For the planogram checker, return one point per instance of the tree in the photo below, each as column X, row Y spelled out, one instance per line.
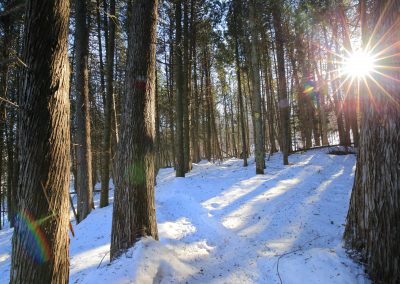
column 187, row 87
column 134, row 214
column 373, row 225
column 44, row 146
column 256, row 91
column 108, row 108
column 84, row 149
column 180, row 86
column 6, row 23
column 283, row 99
column 236, row 29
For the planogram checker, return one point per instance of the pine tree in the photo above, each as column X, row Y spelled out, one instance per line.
column 84, row 148
column 44, row 146
column 180, row 87
column 134, row 214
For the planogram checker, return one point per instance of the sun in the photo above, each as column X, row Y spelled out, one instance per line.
column 359, row 64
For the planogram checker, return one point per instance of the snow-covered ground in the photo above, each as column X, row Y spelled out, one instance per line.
column 224, row 224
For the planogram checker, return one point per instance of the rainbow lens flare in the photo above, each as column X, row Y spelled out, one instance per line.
column 36, row 244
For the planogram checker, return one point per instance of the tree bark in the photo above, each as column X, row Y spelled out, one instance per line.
column 373, row 225
column 44, row 149
column 134, row 214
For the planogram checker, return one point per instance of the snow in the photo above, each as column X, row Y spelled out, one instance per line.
column 224, row 224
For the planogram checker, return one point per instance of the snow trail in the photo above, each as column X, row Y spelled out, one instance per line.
column 224, row 224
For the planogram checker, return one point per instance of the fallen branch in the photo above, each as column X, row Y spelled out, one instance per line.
column 102, row 259
column 290, row 252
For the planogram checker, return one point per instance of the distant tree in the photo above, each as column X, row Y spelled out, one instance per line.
column 256, row 91
column 134, row 214
column 40, row 241
column 373, row 225
column 187, row 89
column 84, row 148
column 237, row 20
column 108, row 107
column 282, row 89
column 6, row 25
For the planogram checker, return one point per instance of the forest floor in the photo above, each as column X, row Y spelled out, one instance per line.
column 224, row 224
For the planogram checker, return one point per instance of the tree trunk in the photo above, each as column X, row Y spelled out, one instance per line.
column 84, row 149
column 256, row 91
column 171, row 87
column 196, row 101
column 373, row 219
column 283, row 100
column 232, row 121
column 244, row 153
column 350, row 99
column 180, row 86
column 134, row 214
column 40, row 255
column 187, row 88
column 102, row 81
column 106, row 161
column 6, row 22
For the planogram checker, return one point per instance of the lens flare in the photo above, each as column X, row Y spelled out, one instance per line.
column 359, row 64
column 36, row 244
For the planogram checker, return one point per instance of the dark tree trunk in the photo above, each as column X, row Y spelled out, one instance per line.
column 373, row 219
column 44, row 149
column 350, row 100
column 283, row 99
column 5, row 53
column 180, row 87
column 196, row 101
column 84, row 149
column 134, row 214
column 187, row 88
column 269, row 90
column 170, row 72
column 233, row 138
column 108, row 108
column 244, row 153
column 256, row 91
column 102, row 81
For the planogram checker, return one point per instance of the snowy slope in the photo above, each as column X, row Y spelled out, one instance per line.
column 224, row 224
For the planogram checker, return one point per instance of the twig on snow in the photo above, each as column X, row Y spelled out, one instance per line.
column 290, row 252
column 102, row 259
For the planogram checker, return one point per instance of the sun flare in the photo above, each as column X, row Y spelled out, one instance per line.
column 359, row 64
